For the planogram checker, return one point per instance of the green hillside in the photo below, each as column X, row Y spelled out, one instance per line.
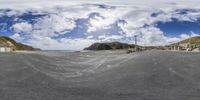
column 6, row 41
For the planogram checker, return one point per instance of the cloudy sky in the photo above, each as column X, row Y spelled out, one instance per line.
column 75, row 24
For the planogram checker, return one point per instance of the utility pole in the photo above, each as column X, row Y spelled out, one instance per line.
column 135, row 36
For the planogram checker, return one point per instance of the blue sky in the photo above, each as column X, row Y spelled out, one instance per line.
column 175, row 28
column 73, row 25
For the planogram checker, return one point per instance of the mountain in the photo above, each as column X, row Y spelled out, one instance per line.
column 110, row 46
column 8, row 42
column 192, row 40
column 190, row 44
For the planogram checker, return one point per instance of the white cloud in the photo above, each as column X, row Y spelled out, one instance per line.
column 52, row 3
column 53, row 25
column 47, row 43
column 180, row 37
column 108, row 17
column 104, row 38
column 22, row 27
column 90, row 37
column 185, row 36
column 151, row 36
column 17, row 37
column 63, row 13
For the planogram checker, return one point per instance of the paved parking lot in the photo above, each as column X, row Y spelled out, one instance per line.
column 102, row 75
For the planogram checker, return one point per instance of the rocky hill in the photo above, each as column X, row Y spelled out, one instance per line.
column 8, row 42
column 190, row 44
column 192, row 40
column 110, row 46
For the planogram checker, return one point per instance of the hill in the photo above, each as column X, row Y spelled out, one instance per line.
column 110, row 46
column 8, row 42
column 189, row 44
column 192, row 40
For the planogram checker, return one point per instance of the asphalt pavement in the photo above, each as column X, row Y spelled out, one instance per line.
column 100, row 75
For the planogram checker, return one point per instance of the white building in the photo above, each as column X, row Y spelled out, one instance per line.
column 6, row 49
column 184, row 46
column 6, row 46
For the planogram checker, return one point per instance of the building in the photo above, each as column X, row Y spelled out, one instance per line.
column 6, row 49
column 175, row 47
column 6, row 46
column 183, row 46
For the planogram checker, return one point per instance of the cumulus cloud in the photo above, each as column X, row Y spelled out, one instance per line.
column 53, row 25
column 22, row 27
column 183, row 36
column 106, row 18
column 17, row 37
column 48, row 43
column 61, row 20
column 153, row 36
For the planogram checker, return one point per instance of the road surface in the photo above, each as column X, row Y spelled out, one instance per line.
column 101, row 75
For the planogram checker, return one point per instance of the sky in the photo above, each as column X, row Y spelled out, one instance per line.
column 76, row 24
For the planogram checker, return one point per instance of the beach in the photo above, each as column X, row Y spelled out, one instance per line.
column 100, row 75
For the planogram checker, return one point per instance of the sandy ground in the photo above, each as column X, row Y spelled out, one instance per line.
column 101, row 75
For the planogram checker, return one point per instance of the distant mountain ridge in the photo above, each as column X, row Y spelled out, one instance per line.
column 110, row 46
column 8, row 42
